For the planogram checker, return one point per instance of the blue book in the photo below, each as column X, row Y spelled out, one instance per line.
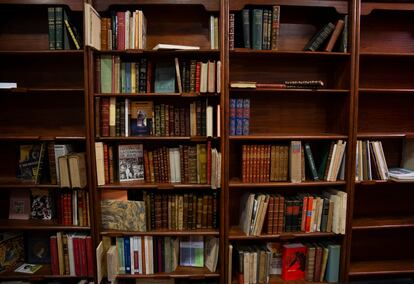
column 232, row 116
column 239, row 116
column 123, row 78
column 128, row 77
column 257, row 28
column 164, row 78
column 332, row 267
column 127, row 255
column 246, row 116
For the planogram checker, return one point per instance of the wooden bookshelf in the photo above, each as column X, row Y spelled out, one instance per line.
column 382, row 268
column 236, row 234
column 388, row 222
column 197, row 232
column 180, row 272
column 43, row 274
column 237, row 184
column 35, row 225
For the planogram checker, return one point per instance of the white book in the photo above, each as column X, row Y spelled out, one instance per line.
column 100, row 170
column 218, row 76
column 161, row 46
column 7, row 85
column 211, row 78
column 100, row 259
column 112, row 263
column 61, row 150
column 339, row 160
column 219, row 171
column 254, row 267
column 209, row 122
column 144, row 31
column 172, row 163
column 126, row 117
column 203, row 77
column 336, row 213
column 212, row 32
column 131, row 254
column 218, row 127
column 384, row 161
column 127, row 29
column 230, row 262
column 369, row 161
column 246, row 266
column 245, row 217
column 133, row 30
column 262, row 214
column 71, row 255
column 329, row 177
column 357, row 177
column 92, row 27
column 177, row 164
column 312, row 222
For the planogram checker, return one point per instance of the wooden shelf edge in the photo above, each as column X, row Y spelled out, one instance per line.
column 281, row 91
column 289, row 137
column 157, row 52
column 381, row 267
column 38, row 225
column 158, row 138
column 39, row 138
column 23, row 90
column 248, row 51
column 166, row 186
column 197, row 232
column 386, row 90
column 235, row 185
column 158, row 95
column 73, row 5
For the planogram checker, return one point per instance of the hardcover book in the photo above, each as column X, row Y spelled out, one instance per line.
column 192, row 251
column 19, row 205
column 11, row 250
column 42, row 208
column 293, row 261
column 164, row 78
column 131, row 162
column 123, row 215
column 38, row 249
column 142, row 114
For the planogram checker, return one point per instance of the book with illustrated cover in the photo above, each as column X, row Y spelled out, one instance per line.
column 192, row 252
column 293, row 261
column 19, row 205
column 30, row 162
column 142, row 114
column 123, row 215
column 131, row 162
column 38, row 248
column 28, row 268
column 42, row 207
column 11, row 250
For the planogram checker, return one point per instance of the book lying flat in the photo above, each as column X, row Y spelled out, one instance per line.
column 7, row 85
column 162, row 46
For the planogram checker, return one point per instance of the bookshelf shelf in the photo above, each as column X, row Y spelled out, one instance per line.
column 40, row 138
column 381, row 267
column 287, row 136
column 288, row 91
column 157, row 138
column 151, row 96
column 22, row 90
column 46, row 52
column 161, row 186
column 208, row 5
column 385, row 91
column 237, row 184
column 43, row 273
column 236, row 234
column 340, row 6
column 198, row 232
column 74, row 5
column 247, row 53
column 180, row 272
column 149, row 52
column 38, row 225
column 368, row 7
column 386, row 54
column 274, row 279
column 390, row 222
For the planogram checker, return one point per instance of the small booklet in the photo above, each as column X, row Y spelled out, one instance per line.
column 28, row 268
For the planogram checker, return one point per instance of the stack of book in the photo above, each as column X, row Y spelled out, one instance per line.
column 124, row 30
column 149, row 255
column 62, row 33
column 314, row 262
column 239, row 116
column 181, row 211
column 333, row 33
column 145, row 76
column 71, row 254
column 198, row 164
column 276, row 214
column 123, row 118
column 264, row 163
column 370, row 161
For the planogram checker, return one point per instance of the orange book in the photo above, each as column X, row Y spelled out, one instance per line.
column 335, row 35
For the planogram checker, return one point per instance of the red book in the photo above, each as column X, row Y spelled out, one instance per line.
column 89, row 256
column 76, row 256
column 309, row 209
column 293, row 261
column 83, row 257
column 304, row 213
column 121, row 30
column 208, row 162
column 136, row 261
column 54, row 259
column 198, row 72
column 104, row 117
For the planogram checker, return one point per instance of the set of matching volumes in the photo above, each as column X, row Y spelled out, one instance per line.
column 260, row 28
column 370, row 161
column 71, row 254
column 73, row 208
column 145, row 76
column 239, row 116
column 275, row 214
column 333, row 33
column 62, row 34
column 265, row 163
column 124, row 118
column 214, row 32
column 313, row 262
column 198, row 164
column 124, row 30
column 181, row 211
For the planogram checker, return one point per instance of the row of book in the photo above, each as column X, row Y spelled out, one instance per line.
column 124, row 30
column 68, row 208
column 239, row 116
column 62, row 33
column 370, row 161
column 259, row 29
column 214, row 32
column 145, row 76
column 275, row 214
column 124, row 118
column 149, row 255
column 264, row 163
column 198, row 164
column 71, row 254
column 181, row 211
column 313, row 262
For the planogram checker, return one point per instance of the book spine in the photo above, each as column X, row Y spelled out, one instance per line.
column 246, row 28
column 52, row 28
column 311, row 162
column 257, row 29
column 89, row 256
column 59, row 28
column 275, row 27
column 246, row 116
column 231, row 31
column 316, row 43
column 233, row 117
column 54, row 259
column 239, row 117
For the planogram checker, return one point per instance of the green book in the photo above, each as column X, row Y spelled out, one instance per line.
column 164, row 78
column 66, row 35
column 257, row 28
column 59, row 27
column 106, row 74
column 246, row 28
column 51, row 23
column 121, row 258
column 332, row 266
column 344, row 40
column 320, row 37
column 311, row 162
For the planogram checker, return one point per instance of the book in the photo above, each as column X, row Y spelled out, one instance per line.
column 92, row 26
column 164, row 78
column 38, row 248
column 335, row 35
column 131, row 162
column 293, row 261
column 192, row 251
column 28, row 268
column 19, row 205
column 162, row 46
column 11, row 250
column 123, row 215
column 41, row 205
column 320, row 37
column 142, row 113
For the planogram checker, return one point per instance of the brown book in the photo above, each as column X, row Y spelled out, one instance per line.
column 104, row 117
column 151, row 166
column 167, row 164
column 169, row 209
column 335, row 35
column 98, row 116
column 176, row 121
column 276, row 204
column 166, row 120
column 281, row 215
column 211, row 81
column 104, row 34
column 267, row 169
column 111, row 162
column 204, row 213
column 171, row 120
column 295, row 161
column 244, row 163
column 248, row 163
column 146, row 167
column 158, row 212
column 269, row 215
column 199, row 212
column 192, row 164
column 52, row 162
column 185, row 212
column 302, row 156
column 254, row 161
column 180, row 212
column 193, row 64
column 285, row 163
column 66, row 253
column 209, row 212
column 318, row 263
column 182, row 121
column 195, row 213
column 310, row 262
column 273, row 163
column 275, row 27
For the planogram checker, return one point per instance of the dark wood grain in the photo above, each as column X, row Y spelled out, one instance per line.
column 382, row 267
column 237, row 234
column 198, row 232
column 38, row 225
column 212, row 5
